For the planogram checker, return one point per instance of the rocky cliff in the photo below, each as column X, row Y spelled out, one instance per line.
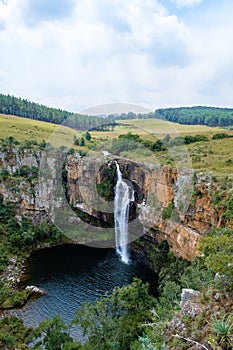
column 77, row 194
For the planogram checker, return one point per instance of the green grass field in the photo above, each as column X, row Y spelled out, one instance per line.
column 152, row 128
column 27, row 129
column 214, row 156
column 161, row 127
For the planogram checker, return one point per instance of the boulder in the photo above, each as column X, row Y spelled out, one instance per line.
column 36, row 290
column 189, row 295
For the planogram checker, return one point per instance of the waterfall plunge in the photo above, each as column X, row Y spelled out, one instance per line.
column 123, row 196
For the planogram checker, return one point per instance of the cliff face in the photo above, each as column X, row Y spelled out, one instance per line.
column 170, row 204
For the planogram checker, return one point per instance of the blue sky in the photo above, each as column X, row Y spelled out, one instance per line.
column 76, row 54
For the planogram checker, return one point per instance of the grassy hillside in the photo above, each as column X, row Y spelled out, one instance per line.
column 27, row 129
column 210, row 156
column 161, row 127
column 12, row 105
column 207, row 156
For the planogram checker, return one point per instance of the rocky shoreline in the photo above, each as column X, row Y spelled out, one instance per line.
column 17, row 270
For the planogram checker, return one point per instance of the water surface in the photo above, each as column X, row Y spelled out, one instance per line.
column 73, row 274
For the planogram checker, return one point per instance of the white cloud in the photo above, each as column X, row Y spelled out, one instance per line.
column 186, row 3
column 124, row 51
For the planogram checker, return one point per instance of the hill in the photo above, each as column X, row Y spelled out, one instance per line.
column 197, row 115
column 32, row 130
column 210, row 116
column 11, row 105
column 207, row 149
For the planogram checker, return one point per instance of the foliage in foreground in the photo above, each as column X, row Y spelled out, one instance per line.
column 114, row 321
column 13, row 334
column 130, row 318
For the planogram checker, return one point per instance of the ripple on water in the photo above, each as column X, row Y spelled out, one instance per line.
column 72, row 275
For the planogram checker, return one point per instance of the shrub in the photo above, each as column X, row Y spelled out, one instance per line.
column 114, row 321
column 221, row 135
column 167, row 211
column 87, row 136
column 82, row 142
column 217, row 247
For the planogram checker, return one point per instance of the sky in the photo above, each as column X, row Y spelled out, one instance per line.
column 76, row 54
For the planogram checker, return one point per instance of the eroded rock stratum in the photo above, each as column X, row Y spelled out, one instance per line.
column 170, row 204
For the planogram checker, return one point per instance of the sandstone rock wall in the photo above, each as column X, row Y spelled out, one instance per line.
column 165, row 203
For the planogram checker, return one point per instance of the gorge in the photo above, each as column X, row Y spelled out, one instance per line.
column 77, row 193
column 73, row 274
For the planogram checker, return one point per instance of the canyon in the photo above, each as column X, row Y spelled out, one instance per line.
column 77, row 194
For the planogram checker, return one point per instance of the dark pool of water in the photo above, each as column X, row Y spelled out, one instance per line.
column 73, row 274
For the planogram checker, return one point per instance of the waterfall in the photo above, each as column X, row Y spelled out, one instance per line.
column 123, row 196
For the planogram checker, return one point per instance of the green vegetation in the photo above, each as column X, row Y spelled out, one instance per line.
column 131, row 319
column 197, row 115
column 13, row 334
column 17, row 240
column 211, row 273
column 87, row 136
column 106, row 187
column 144, row 140
column 114, row 321
column 217, row 247
column 223, row 330
column 11, row 105
column 210, row 116
column 167, row 211
column 221, row 135
column 161, row 142
column 54, row 334
column 22, row 129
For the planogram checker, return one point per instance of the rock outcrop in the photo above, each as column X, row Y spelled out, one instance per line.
column 170, row 204
column 36, row 290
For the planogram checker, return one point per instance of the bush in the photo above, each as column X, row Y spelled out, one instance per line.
column 82, row 142
column 222, row 135
column 130, row 136
column 228, row 214
column 122, row 144
column 42, row 144
column 26, row 171
column 87, row 136
column 167, row 211
column 13, row 333
column 217, row 247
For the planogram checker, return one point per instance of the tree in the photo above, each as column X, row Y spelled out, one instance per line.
column 13, row 333
column 53, row 335
column 82, row 142
column 114, row 321
column 87, row 136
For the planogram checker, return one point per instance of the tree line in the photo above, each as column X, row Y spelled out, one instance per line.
column 210, row 116
column 23, row 108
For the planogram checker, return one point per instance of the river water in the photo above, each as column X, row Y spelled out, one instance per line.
column 73, row 274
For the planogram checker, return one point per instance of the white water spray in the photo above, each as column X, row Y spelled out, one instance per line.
column 123, row 196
